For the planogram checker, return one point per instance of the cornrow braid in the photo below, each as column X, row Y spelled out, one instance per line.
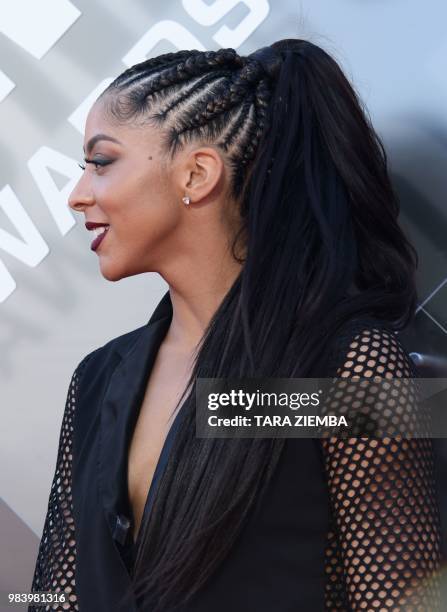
column 183, row 95
column 261, row 101
column 215, row 96
column 254, row 131
column 147, row 67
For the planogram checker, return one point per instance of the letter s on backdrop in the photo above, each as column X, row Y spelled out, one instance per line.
column 209, row 14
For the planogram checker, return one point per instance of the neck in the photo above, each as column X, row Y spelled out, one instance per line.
column 195, row 297
column 200, row 269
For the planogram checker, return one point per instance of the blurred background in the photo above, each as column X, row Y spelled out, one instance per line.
column 56, row 57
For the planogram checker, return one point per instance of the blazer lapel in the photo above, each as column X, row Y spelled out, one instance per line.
column 120, row 408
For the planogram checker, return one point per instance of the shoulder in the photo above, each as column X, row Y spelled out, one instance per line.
column 389, row 405
column 367, row 347
column 104, row 356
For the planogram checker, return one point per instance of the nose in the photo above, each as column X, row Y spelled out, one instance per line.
column 81, row 197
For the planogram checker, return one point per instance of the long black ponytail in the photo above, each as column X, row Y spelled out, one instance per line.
column 323, row 246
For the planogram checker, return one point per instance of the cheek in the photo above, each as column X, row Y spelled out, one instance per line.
column 148, row 220
column 141, row 210
column 155, row 204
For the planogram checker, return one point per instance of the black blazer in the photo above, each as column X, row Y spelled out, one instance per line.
column 278, row 564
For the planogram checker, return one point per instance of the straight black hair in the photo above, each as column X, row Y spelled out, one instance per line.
column 323, row 246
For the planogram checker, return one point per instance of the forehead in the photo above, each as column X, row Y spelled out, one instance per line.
column 128, row 135
column 98, row 121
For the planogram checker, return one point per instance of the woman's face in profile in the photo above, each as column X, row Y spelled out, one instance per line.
column 129, row 188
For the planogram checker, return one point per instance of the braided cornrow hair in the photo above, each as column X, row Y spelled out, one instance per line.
column 215, row 96
column 323, row 246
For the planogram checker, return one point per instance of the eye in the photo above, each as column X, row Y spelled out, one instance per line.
column 96, row 163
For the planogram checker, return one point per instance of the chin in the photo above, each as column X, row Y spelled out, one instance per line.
column 111, row 277
column 113, row 272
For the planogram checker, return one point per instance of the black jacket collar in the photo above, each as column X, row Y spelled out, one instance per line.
column 108, row 401
column 120, row 407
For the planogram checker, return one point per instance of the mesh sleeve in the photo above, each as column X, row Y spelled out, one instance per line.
column 56, row 559
column 384, row 543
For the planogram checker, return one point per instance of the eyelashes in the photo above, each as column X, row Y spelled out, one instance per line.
column 96, row 163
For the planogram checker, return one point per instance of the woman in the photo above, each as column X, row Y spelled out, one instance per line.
column 258, row 189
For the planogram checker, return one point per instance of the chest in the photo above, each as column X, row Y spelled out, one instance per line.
column 168, row 378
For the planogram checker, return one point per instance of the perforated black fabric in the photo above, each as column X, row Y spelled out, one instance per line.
column 56, row 560
column 383, row 548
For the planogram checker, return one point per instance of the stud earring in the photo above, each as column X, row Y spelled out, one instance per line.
column 186, row 200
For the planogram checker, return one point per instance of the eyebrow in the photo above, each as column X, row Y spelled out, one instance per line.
column 91, row 143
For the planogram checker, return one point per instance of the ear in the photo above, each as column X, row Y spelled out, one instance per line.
column 201, row 173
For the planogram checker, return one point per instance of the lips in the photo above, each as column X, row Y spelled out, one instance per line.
column 100, row 229
column 99, row 238
column 93, row 224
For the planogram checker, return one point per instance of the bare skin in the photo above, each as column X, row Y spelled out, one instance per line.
column 162, row 394
column 151, row 230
